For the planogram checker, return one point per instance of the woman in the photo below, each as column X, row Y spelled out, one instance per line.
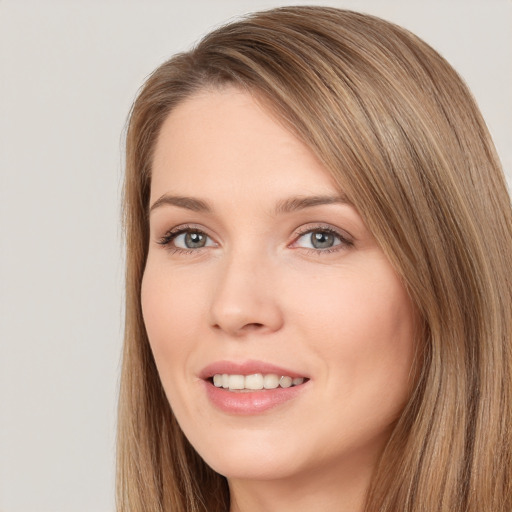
column 318, row 285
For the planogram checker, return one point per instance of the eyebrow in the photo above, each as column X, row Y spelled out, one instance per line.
column 302, row 202
column 189, row 203
column 288, row 205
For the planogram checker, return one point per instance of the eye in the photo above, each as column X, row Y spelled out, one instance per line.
column 186, row 239
column 318, row 239
column 191, row 240
column 321, row 239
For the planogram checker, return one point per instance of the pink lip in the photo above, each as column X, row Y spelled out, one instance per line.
column 248, row 402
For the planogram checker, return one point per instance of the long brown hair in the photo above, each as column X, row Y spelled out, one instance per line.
column 401, row 134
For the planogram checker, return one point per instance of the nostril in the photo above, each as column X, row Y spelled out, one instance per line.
column 246, row 327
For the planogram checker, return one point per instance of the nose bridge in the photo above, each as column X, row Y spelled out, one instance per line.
column 244, row 299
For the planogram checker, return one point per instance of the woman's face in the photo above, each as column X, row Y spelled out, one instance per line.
column 260, row 273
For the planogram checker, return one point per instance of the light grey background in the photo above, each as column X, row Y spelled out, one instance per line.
column 69, row 71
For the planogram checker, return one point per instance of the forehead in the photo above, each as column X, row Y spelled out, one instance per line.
column 225, row 140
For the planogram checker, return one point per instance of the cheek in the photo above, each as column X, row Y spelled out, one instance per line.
column 360, row 308
column 170, row 306
column 362, row 327
column 170, row 311
column 157, row 306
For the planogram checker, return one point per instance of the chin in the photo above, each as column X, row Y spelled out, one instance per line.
column 252, row 460
column 256, row 469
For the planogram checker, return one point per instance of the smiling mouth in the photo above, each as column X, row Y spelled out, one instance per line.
column 254, row 382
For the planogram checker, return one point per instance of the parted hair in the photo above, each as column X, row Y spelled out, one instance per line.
column 402, row 136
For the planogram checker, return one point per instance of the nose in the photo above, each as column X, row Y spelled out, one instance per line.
column 245, row 299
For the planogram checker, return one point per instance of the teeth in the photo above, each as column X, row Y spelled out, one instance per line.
column 285, row 382
column 255, row 381
column 236, row 381
column 270, row 381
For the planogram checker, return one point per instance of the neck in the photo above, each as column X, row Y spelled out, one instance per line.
column 326, row 489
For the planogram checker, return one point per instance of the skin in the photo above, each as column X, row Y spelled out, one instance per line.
column 259, row 289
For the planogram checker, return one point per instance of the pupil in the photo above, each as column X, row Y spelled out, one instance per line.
column 322, row 239
column 194, row 240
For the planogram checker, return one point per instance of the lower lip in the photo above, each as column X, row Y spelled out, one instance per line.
column 252, row 402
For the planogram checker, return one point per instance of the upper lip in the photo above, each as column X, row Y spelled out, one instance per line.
column 248, row 367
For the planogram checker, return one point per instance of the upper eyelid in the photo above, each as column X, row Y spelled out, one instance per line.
column 345, row 235
column 183, row 228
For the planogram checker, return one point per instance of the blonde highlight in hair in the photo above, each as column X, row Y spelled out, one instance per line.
column 399, row 131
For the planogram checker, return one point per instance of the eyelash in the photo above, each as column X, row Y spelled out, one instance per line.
column 345, row 242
